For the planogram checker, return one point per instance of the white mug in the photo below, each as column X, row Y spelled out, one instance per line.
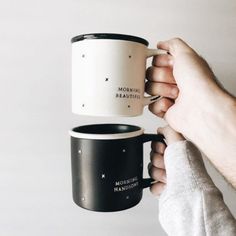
column 108, row 74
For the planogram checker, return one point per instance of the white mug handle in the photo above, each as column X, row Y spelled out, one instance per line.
column 153, row 52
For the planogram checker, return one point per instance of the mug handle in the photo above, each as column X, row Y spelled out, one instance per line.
column 147, row 182
column 153, row 52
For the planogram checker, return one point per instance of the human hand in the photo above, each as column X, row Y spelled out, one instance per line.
column 194, row 104
column 185, row 82
column 157, row 166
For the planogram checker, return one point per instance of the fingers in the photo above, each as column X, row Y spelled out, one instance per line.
column 161, row 70
column 158, row 147
column 160, row 79
column 163, row 60
column 157, row 174
column 157, row 160
column 157, row 188
column 161, row 106
column 171, row 135
column 162, row 89
column 168, row 90
column 175, row 46
column 160, row 74
column 156, row 168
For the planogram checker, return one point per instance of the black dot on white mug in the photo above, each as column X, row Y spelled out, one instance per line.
column 121, row 56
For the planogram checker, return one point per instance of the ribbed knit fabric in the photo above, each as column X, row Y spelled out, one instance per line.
column 191, row 205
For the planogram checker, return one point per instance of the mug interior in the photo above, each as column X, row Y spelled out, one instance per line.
column 106, row 131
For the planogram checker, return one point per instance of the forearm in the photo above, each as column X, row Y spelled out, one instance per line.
column 214, row 132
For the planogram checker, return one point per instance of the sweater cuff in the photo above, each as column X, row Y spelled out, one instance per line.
column 185, row 169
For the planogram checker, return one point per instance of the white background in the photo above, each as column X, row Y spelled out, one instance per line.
column 35, row 103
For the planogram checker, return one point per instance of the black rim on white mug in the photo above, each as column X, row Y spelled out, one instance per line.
column 110, row 68
column 114, row 36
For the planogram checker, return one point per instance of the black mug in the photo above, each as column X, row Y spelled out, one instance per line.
column 107, row 166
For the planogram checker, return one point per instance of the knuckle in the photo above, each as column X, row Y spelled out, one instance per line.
column 162, row 74
column 165, row 89
column 157, row 189
column 161, row 148
column 156, row 162
column 155, row 108
column 177, row 40
column 163, row 104
column 162, row 175
column 153, row 146
column 152, row 190
column 154, row 173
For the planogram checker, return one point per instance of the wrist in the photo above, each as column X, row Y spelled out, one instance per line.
column 216, row 111
column 214, row 131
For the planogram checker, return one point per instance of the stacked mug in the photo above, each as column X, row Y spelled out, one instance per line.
column 108, row 79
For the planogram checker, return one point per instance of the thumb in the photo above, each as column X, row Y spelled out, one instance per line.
column 170, row 135
column 175, row 46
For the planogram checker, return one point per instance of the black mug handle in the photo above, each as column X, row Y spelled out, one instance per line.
column 147, row 182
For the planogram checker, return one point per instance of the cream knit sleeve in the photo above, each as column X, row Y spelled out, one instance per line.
column 191, row 204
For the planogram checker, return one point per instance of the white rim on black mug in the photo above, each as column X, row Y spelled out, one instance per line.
column 107, row 165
